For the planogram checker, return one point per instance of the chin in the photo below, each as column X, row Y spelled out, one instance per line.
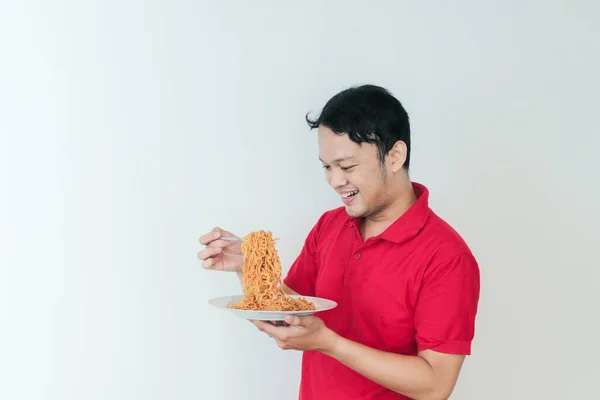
column 355, row 212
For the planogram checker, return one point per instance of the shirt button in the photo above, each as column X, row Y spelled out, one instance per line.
column 357, row 256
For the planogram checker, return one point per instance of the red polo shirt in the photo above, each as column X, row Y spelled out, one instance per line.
column 413, row 287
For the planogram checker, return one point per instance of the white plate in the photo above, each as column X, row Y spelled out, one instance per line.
column 225, row 301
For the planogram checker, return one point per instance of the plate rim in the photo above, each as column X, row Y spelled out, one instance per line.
column 331, row 305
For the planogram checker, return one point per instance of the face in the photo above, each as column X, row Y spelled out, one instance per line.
column 356, row 173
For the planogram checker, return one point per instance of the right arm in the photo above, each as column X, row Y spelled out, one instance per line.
column 287, row 290
column 225, row 256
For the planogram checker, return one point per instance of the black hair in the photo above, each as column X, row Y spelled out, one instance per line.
column 367, row 113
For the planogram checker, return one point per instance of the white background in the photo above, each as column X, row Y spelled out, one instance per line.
column 129, row 128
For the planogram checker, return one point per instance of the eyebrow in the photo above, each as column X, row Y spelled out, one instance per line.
column 347, row 158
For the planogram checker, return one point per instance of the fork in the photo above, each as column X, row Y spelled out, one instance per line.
column 230, row 239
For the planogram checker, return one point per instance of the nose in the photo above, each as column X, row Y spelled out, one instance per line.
column 337, row 178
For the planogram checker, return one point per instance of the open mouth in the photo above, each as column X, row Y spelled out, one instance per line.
column 349, row 195
column 348, row 198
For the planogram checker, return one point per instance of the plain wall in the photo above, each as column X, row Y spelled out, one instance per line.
column 129, row 128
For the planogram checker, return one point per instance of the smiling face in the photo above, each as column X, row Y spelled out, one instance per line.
column 366, row 186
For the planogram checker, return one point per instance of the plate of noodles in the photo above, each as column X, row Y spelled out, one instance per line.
column 306, row 305
column 263, row 298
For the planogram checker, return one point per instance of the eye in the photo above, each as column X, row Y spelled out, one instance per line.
column 348, row 168
column 325, row 167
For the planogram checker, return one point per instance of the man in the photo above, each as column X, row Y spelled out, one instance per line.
column 406, row 283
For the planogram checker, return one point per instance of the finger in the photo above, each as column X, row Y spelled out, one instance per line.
column 211, row 236
column 259, row 325
column 215, row 262
column 221, row 243
column 268, row 328
column 212, row 240
column 293, row 320
column 208, row 237
column 209, row 252
column 211, row 263
column 222, row 232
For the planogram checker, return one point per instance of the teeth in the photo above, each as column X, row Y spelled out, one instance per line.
column 346, row 195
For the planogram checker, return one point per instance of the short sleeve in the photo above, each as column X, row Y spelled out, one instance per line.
column 302, row 275
column 447, row 306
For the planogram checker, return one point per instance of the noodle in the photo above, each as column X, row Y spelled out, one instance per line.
column 262, row 277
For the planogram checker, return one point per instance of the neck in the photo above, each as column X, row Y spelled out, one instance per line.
column 403, row 199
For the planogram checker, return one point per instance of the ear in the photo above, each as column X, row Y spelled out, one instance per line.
column 397, row 156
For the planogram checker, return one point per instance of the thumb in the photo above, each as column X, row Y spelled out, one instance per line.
column 220, row 232
column 293, row 320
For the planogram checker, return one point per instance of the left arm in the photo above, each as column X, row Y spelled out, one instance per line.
column 428, row 375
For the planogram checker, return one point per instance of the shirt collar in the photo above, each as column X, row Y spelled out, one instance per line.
column 408, row 225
